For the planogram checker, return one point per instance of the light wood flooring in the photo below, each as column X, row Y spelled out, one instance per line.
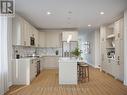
column 47, row 84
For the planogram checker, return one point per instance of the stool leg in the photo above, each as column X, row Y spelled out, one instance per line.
column 88, row 72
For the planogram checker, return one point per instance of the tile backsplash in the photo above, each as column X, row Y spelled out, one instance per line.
column 29, row 51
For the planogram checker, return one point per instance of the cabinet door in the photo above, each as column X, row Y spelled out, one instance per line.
column 18, row 37
column 15, row 72
column 41, row 39
column 119, row 59
column 41, row 63
column 52, row 39
column 50, row 62
column 119, row 29
column 26, row 33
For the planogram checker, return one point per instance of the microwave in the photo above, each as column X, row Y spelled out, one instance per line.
column 32, row 41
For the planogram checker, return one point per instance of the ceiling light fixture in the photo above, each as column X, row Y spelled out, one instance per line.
column 48, row 13
column 89, row 25
column 101, row 13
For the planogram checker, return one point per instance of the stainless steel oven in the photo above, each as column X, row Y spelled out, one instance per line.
column 38, row 67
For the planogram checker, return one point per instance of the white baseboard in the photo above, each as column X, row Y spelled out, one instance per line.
column 92, row 65
column 125, row 83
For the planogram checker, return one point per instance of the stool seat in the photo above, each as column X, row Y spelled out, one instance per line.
column 85, row 65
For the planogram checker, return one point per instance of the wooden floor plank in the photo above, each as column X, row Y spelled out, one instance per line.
column 47, row 84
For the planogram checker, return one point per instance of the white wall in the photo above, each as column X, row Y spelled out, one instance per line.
column 125, row 47
column 85, row 35
column 97, row 48
column 92, row 58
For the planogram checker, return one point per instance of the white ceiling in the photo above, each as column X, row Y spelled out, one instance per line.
column 84, row 12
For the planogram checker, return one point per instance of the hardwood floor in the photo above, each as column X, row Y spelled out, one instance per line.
column 47, row 84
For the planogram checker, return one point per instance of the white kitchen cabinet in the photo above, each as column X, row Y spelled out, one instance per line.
column 22, row 31
column 119, row 29
column 18, row 31
column 68, row 71
column 41, row 36
column 21, row 71
column 50, row 62
column 24, row 71
column 26, row 33
column 119, row 64
column 41, row 63
column 115, row 66
column 52, row 39
column 73, row 34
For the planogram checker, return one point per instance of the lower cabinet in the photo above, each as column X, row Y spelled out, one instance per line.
column 49, row 62
column 24, row 71
column 113, row 68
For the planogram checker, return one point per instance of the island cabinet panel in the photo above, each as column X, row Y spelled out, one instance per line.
column 68, row 75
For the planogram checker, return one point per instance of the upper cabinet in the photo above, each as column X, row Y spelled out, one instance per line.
column 118, row 28
column 18, row 31
column 22, row 31
column 25, row 33
column 52, row 39
column 70, row 35
column 49, row 39
column 41, row 41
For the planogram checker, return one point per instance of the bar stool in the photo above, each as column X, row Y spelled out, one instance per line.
column 83, row 72
column 78, row 69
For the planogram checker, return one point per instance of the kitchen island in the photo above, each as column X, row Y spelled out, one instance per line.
column 67, row 70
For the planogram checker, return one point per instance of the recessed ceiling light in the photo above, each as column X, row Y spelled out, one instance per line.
column 89, row 25
column 68, row 18
column 48, row 13
column 101, row 13
column 69, row 12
